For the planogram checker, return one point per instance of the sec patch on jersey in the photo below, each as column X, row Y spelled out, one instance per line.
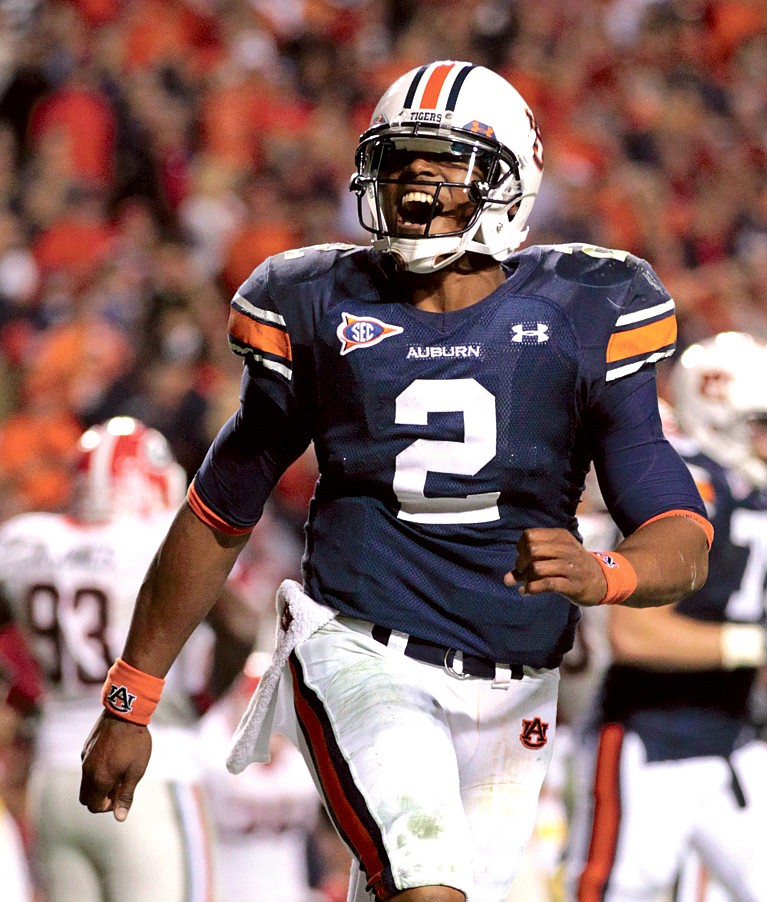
column 363, row 332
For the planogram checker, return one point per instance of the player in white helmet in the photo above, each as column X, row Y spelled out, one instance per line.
column 673, row 770
column 493, row 165
column 72, row 580
column 721, row 403
column 456, row 390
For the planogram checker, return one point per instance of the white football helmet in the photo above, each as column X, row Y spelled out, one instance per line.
column 466, row 114
column 718, row 385
column 125, row 468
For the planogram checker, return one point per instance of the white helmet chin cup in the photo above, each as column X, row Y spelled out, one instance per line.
column 455, row 104
column 717, row 384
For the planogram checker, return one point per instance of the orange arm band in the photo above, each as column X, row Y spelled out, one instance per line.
column 620, row 575
column 689, row 515
column 204, row 513
column 130, row 693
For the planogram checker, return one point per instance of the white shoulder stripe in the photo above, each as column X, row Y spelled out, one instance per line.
column 250, row 354
column 260, row 312
column 620, row 371
column 638, row 315
column 273, row 365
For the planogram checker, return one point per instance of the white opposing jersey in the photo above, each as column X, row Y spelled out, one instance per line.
column 73, row 586
column 262, row 816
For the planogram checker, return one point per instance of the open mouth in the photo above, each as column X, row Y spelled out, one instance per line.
column 417, row 208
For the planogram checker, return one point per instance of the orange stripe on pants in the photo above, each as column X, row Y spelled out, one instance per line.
column 347, row 818
column 607, row 815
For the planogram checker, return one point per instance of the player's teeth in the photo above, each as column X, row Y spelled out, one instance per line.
column 417, row 197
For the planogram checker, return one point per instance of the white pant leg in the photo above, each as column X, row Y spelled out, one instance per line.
column 426, row 775
column 732, row 840
column 634, row 819
column 15, row 881
column 501, row 777
column 162, row 851
column 696, row 883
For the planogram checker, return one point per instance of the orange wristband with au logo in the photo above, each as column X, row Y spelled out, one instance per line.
column 620, row 575
column 130, row 693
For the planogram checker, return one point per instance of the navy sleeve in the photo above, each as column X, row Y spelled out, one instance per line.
column 248, row 456
column 640, row 474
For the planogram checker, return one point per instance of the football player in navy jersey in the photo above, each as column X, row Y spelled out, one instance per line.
column 456, row 392
column 671, row 766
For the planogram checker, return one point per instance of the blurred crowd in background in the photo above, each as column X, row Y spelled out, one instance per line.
column 153, row 152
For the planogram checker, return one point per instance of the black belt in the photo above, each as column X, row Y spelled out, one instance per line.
column 439, row 655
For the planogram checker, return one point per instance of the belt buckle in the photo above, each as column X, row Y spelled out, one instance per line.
column 448, row 666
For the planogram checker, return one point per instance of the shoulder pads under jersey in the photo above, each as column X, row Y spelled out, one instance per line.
column 616, row 301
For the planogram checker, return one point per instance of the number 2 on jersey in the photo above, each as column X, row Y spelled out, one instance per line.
column 465, row 458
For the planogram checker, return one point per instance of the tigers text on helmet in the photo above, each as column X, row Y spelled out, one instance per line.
column 718, row 386
column 485, row 162
column 125, row 468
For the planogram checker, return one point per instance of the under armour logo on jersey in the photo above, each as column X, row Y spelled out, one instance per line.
column 524, row 333
column 363, row 332
column 533, row 735
column 120, row 699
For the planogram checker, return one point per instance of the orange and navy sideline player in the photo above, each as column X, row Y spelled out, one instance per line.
column 456, row 392
column 671, row 766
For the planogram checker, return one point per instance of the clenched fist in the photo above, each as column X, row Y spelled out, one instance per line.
column 553, row 560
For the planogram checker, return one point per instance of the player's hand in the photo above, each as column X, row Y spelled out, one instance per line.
column 553, row 560
column 114, row 757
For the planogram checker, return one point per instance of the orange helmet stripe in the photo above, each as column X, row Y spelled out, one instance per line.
column 434, row 86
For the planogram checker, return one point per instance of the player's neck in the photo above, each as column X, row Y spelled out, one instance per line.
column 455, row 287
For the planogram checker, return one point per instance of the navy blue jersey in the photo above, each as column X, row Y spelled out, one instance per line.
column 440, row 437
column 687, row 714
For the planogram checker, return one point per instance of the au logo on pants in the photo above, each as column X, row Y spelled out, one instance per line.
column 533, row 735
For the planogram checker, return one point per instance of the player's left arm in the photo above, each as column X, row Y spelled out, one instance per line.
column 651, row 496
column 647, row 488
column 661, row 563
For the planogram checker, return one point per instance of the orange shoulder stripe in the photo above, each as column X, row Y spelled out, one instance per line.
column 706, row 489
column 642, row 340
column 259, row 336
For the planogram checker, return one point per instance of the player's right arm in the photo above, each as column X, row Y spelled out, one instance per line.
column 182, row 584
column 188, row 573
